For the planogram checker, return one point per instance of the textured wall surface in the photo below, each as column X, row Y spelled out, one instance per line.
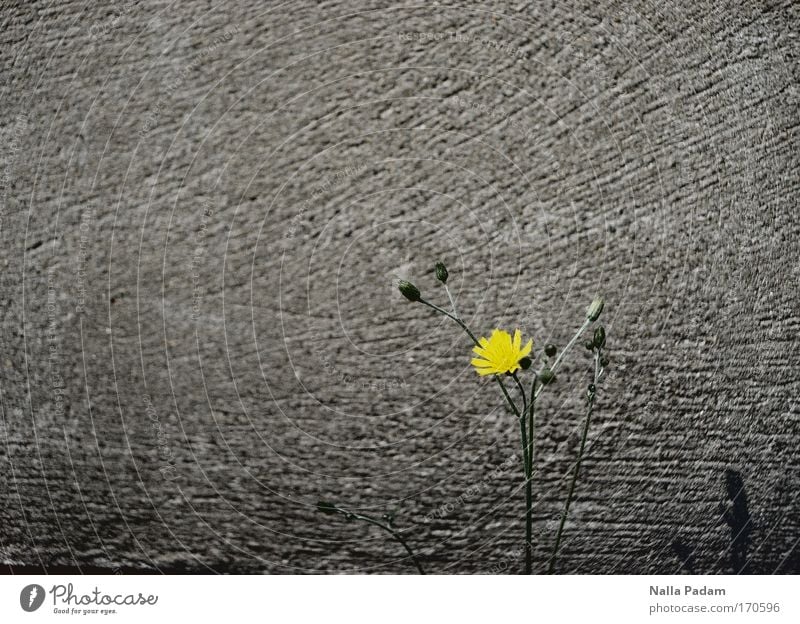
column 204, row 206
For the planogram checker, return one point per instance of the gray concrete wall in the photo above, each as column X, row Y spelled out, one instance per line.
column 204, row 207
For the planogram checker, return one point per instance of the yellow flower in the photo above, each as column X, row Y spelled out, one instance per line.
column 500, row 354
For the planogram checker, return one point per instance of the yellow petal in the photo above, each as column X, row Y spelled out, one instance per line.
column 480, row 363
column 485, row 349
column 507, row 342
column 517, row 339
column 526, row 349
column 480, row 351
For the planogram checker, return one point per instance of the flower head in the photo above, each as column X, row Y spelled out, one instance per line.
column 409, row 291
column 500, row 353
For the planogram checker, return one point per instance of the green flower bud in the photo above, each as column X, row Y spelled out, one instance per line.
column 547, row 376
column 525, row 363
column 550, row 349
column 599, row 337
column 409, row 291
column 589, row 345
column 604, row 362
column 594, row 309
column 441, row 273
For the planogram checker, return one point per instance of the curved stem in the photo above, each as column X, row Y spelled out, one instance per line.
column 451, row 316
column 565, row 350
column 385, row 527
column 474, row 340
column 590, row 409
column 450, row 297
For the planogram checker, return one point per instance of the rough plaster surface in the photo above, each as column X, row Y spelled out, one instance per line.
column 205, row 205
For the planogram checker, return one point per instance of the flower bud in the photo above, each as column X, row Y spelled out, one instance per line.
column 326, row 507
column 599, row 337
column 409, row 291
column 594, row 309
column 550, row 349
column 547, row 376
column 589, row 345
column 525, row 363
column 441, row 273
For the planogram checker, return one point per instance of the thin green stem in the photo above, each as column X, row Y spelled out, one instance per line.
column 520, row 416
column 531, row 421
column 453, row 317
column 475, row 340
column 386, row 527
column 450, row 297
column 522, row 431
column 565, row 350
column 529, row 485
column 590, row 409
column 524, row 400
column 526, row 458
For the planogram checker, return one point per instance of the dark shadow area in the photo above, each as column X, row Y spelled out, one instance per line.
column 737, row 517
column 685, row 554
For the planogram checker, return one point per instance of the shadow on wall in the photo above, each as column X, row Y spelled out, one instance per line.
column 737, row 516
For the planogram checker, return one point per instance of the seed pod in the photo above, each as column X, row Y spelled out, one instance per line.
column 550, row 349
column 441, row 273
column 409, row 291
column 599, row 337
column 594, row 309
column 547, row 376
